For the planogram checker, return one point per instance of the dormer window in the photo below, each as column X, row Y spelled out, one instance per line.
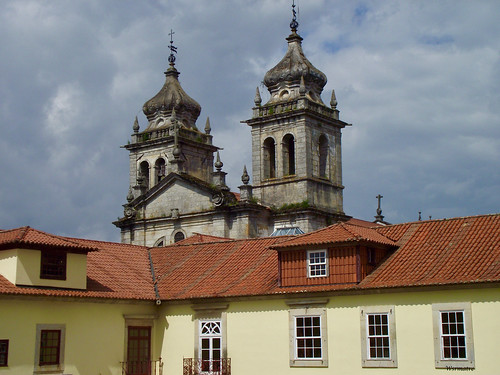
column 53, row 266
column 317, row 263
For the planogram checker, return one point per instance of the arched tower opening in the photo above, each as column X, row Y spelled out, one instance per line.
column 159, row 170
column 323, row 156
column 269, row 158
column 144, row 173
column 288, row 144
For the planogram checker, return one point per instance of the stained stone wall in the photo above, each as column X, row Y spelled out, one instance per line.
column 197, row 160
column 222, row 223
column 322, row 191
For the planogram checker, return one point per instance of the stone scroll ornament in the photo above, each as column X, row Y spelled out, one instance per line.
column 129, row 212
column 218, row 199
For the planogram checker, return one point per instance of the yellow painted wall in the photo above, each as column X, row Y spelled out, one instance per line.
column 28, row 270
column 178, row 336
column 8, row 264
column 257, row 333
column 95, row 333
column 258, row 340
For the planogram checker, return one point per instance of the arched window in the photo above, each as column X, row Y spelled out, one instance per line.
column 159, row 170
column 288, row 155
column 323, row 156
column 160, row 242
column 179, row 236
column 269, row 158
column 144, row 173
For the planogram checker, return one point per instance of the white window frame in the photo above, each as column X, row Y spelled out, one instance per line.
column 205, row 313
column 308, row 362
column 366, row 359
column 453, row 363
column 49, row 369
column 312, row 265
column 210, row 338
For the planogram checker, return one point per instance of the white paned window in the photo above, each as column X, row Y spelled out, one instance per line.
column 378, row 339
column 378, row 336
column 308, row 337
column 453, row 340
column 210, row 345
column 317, row 263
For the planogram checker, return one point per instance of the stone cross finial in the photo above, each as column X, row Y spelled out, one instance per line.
column 257, row 100
column 218, row 164
column 379, row 198
column 333, row 100
column 208, row 129
column 245, row 178
column 379, row 216
column 136, row 125
column 302, row 87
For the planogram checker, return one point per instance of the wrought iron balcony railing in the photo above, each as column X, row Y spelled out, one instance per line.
column 142, row 367
column 196, row 366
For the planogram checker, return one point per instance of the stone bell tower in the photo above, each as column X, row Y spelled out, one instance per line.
column 171, row 142
column 296, row 143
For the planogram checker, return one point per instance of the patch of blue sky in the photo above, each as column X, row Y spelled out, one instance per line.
column 360, row 13
column 334, row 46
column 436, row 40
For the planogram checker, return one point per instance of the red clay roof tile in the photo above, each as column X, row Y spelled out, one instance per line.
column 29, row 237
column 336, row 233
column 435, row 252
column 114, row 270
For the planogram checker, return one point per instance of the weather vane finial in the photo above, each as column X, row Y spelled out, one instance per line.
column 172, row 48
column 294, row 24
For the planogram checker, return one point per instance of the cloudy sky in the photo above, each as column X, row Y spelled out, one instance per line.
column 419, row 81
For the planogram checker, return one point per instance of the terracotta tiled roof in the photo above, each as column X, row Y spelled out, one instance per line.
column 435, row 252
column 227, row 268
column 27, row 237
column 114, row 270
column 362, row 223
column 200, row 237
column 459, row 250
column 336, row 233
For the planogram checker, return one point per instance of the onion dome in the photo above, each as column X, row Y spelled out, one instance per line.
column 172, row 96
column 171, row 103
column 283, row 81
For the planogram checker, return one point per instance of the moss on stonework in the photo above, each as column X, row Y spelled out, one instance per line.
column 291, row 206
column 254, row 200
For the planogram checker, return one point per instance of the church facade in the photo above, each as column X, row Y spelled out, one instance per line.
column 177, row 185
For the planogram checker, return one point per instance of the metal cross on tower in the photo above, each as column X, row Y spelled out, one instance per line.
column 294, row 24
column 172, row 48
